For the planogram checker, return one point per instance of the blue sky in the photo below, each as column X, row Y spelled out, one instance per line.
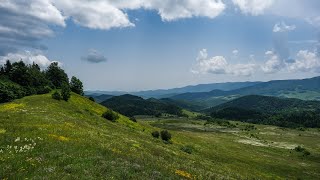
column 137, row 45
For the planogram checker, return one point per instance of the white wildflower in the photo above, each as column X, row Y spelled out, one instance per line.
column 17, row 140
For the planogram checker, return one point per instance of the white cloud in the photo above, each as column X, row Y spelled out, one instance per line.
column 273, row 64
column 28, row 58
column 25, row 23
column 306, row 61
column 94, row 14
column 253, row 7
column 235, row 52
column 219, row 65
column 282, row 27
column 106, row 14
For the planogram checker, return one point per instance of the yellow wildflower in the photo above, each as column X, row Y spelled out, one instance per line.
column 61, row 138
column 183, row 174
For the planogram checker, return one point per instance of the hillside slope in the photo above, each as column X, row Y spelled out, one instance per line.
column 44, row 138
column 269, row 104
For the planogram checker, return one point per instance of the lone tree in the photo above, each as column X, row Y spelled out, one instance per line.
column 65, row 91
column 76, row 85
column 56, row 75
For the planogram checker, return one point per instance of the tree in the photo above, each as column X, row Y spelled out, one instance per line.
column 2, row 71
column 56, row 75
column 8, row 67
column 65, row 91
column 76, row 85
column 19, row 73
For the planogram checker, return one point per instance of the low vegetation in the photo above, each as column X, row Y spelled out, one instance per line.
column 165, row 135
column 110, row 115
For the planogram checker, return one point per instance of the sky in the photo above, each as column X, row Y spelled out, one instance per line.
column 133, row 45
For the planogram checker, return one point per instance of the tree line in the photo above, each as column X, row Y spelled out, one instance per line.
column 18, row 79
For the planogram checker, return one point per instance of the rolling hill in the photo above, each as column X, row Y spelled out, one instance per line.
column 287, row 112
column 131, row 105
column 269, row 104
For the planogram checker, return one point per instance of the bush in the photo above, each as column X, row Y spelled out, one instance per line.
column 56, row 95
column 187, row 149
column 133, row 119
column 65, row 91
column 299, row 149
column 165, row 135
column 306, row 153
column 44, row 90
column 303, row 150
column 92, row 99
column 155, row 134
column 110, row 115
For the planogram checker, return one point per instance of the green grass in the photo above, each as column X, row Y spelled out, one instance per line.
column 70, row 140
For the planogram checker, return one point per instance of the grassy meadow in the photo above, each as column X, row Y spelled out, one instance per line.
column 42, row 137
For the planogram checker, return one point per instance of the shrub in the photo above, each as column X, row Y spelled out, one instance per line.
column 155, row 134
column 44, row 90
column 65, row 91
column 303, row 150
column 133, row 119
column 299, row 149
column 165, row 135
column 306, row 153
column 187, row 149
column 92, row 99
column 56, row 95
column 110, row 115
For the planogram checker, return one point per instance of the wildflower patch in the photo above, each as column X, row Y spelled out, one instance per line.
column 2, row 131
column 11, row 106
column 60, row 138
column 183, row 174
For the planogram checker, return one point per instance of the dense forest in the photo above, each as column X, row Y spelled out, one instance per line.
column 18, row 79
column 283, row 112
column 130, row 105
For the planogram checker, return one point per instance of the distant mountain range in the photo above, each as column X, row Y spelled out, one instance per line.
column 164, row 93
column 203, row 96
column 305, row 89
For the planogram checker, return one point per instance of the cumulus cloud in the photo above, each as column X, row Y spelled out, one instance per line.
column 28, row 58
column 25, row 23
column 94, row 57
column 306, row 61
column 219, row 65
column 253, row 7
column 273, row 64
column 282, row 27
